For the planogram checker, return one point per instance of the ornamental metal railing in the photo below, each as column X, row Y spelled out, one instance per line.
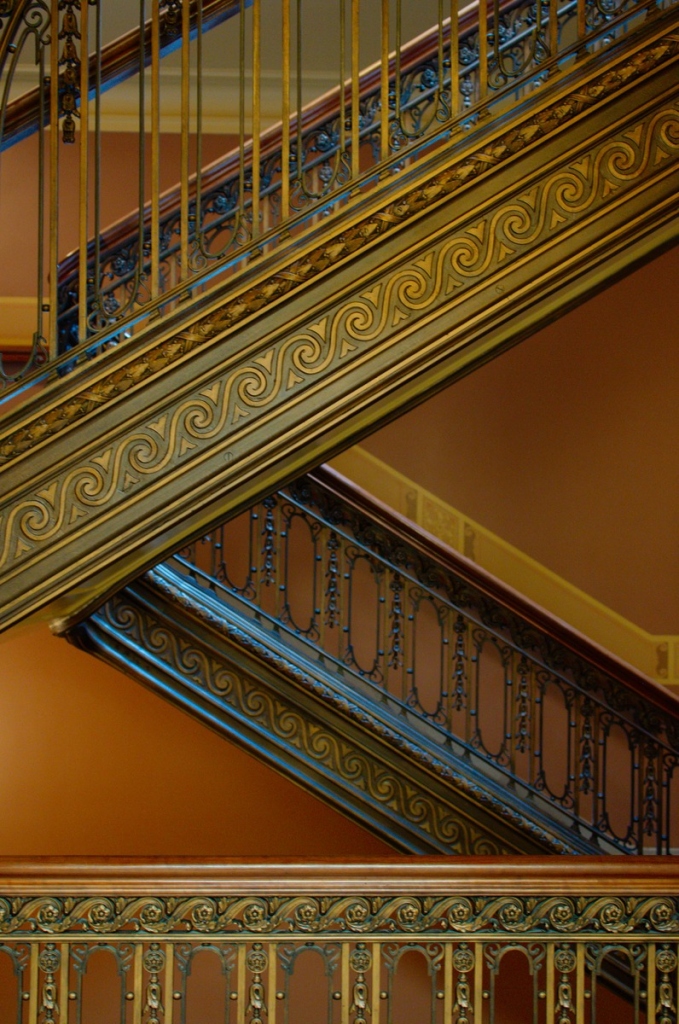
column 470, row 65
column 326, row 572
column 379, row 943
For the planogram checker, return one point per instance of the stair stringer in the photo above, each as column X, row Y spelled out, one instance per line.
column 448, row 263
column 305, row 722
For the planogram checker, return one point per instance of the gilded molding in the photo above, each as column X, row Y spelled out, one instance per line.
column 375, row 320
column 366, row 776
column 555, row 917
column 342, row 245
column 353, row 712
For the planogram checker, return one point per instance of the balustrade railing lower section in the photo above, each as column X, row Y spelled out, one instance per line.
column 418, row 96
column 433, row 943
column 333, row 576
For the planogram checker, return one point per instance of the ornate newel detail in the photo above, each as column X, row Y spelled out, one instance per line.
column 463, row 962
column 69, row 63
column 49, row 963
column 257, row 963
column 564, row 962
column 154, row 962
column 361, row 962
column 666, row 963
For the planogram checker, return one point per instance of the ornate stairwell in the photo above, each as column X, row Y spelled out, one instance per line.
column 400, row 682
column 388, row 279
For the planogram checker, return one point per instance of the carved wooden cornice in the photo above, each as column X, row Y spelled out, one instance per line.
column 291, row 367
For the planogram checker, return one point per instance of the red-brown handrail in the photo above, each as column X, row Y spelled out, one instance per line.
column 127, row 876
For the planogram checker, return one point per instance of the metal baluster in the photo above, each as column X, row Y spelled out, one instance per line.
column 483, row 51
column 582, row 26
column 455, row 105
column 550, row 994
column 408, row 619
column 553, row 34
column 54, row 183
column 345, row 987
column 169, row 983
column 198, row 215
column 376, row 980
column 355, row 89
column 39, row 333
column 571, row 749
column 185, row 130
column 636, row 797
column 300, row 147
column 448, row 671
column 508, row 695
column 137, row 974
column 477, row 1015
column 256, row 112
column 651, row 984
column 33, row 987
column 384, row 84
column 96, row 270
column 241, row 987
column 84, row 168
column 285, row 114
column 155, row 145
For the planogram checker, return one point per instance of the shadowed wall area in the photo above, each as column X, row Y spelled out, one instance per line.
column 96, row 765
column 565, row 446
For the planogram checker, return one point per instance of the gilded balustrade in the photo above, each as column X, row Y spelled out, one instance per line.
column 277, row 183
column 445, row 942
column 326, row 572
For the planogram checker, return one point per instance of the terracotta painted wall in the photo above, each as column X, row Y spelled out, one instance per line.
column 566, row 446
column 95, row 764
column 19, row 190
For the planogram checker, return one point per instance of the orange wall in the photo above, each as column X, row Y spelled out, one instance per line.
column 566, row 446
column 94, row 764
column 119, row 191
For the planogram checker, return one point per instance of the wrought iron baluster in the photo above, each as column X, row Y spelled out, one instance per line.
column 651, row 819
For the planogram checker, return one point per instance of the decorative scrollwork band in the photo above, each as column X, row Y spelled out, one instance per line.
column 545, row 916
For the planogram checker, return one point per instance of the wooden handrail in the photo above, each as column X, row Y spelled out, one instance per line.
column 482, row 876
column 499, row 592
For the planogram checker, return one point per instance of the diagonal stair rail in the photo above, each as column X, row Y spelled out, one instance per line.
column 400, row 682
column 406, row 103
column 323, row 569
column 436, row 269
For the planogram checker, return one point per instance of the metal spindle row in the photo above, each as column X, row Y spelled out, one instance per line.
column 276, row 182
column 441, row 980
column 454, row 666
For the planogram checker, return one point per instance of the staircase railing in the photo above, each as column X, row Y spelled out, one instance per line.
column 331, row 574
column 316, row 162
column 426, row 940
